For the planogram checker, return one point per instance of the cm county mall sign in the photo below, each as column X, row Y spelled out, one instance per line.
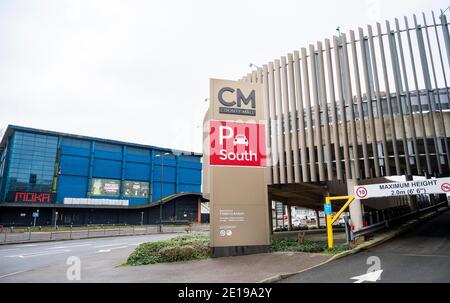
column 407, row 188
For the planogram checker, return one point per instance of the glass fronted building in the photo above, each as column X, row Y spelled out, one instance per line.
column 39, row 167
column 31, row 164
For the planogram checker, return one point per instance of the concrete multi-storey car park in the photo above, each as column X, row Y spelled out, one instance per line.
column 83, row 180
column 358, row 108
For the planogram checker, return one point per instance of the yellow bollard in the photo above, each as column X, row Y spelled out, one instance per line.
column 331, row 219
column 329, row 226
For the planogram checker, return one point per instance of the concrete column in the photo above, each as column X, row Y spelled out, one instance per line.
column 199, row 210
column 123, row 168
column 317, row 219
column 411, row 200
column 55, row 216
column 270, row 213
column 355, row 207
column 289, row 214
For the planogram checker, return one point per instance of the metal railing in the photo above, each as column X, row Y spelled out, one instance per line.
column 72, row 232
column 388, row 222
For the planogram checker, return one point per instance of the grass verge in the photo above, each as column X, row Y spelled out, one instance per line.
column 196, row 247
column 307, row 246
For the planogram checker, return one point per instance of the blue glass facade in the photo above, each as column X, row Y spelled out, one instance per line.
column 32, row 162
column 69, row 166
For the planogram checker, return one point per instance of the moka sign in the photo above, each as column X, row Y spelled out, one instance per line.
column 235, row 175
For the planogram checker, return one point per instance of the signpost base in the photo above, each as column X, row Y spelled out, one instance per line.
column 231, row 251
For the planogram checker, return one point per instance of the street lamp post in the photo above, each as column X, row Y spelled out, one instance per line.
column 161, row 192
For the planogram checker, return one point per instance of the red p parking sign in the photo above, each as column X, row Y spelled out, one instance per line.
column 237, row 144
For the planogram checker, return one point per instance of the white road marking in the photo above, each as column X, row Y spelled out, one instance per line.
column 101, row 246
column 109, row 249
column 13, row 273
column 369, row 277
column 9, row 249
column 37, row 254
column 104, row 250
column 27, row 245
column 67, row 246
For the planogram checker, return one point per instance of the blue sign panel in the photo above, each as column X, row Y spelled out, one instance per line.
column 35, row 215
column 327, row 209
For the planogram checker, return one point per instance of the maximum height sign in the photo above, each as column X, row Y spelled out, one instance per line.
column 406, row 188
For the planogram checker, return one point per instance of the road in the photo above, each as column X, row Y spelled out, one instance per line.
column 421, row 255
column 19, row 259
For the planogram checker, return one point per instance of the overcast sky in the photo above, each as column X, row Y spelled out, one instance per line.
column 139, row 71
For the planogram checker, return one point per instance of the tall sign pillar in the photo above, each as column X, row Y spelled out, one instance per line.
column 235, row 173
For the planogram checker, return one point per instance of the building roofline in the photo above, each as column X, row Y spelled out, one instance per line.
column 11, row 128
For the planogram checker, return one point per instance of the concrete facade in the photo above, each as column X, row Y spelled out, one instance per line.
column 357, row 108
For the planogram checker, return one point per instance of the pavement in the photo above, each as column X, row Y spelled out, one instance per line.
column 420, row 255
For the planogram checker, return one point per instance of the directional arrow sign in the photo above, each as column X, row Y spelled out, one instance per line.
column 369, row 277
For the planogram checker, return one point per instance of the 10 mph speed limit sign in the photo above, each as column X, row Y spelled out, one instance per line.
column 361, row 192
column 406, row 188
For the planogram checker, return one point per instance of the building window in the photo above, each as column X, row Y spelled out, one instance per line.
column 32, row 160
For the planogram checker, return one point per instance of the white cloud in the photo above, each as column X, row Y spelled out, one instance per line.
column 139, row 70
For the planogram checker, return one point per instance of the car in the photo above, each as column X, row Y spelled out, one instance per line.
column 240, row 140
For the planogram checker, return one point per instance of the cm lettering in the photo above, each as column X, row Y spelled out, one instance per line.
column 240, row 97
column 233, row 100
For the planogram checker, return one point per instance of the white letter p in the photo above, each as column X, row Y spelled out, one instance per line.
column 223, row 135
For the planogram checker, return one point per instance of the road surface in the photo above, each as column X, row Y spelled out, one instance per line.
column 19, row 259
column 421, row 255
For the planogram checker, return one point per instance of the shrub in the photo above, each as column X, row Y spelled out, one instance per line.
column 291, row 244
column 183, row 248
column 184, row 253
column 338, row 249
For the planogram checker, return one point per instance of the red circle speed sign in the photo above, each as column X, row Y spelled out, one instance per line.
column 361, row 192
column 445, row 187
